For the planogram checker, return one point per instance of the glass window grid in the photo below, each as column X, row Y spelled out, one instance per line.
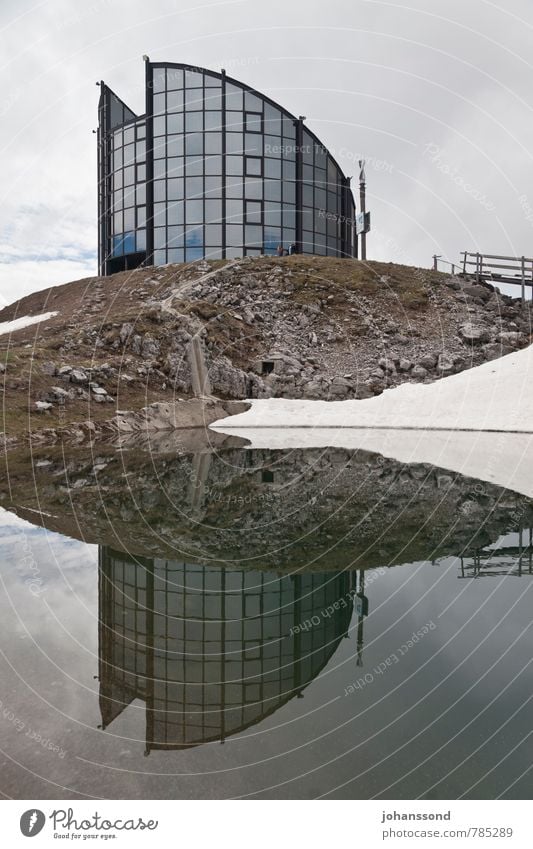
column 271, row 125
column 250, row 667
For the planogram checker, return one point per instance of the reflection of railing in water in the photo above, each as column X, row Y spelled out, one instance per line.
column 513, row 560
column 211, row 650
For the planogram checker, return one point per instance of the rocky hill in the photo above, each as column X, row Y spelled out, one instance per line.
column 297, row 509
column 301, row 327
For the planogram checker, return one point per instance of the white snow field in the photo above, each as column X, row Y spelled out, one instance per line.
column 478, row 423
column 24, row 321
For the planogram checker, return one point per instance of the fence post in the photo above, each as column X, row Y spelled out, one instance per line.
column 523, row 280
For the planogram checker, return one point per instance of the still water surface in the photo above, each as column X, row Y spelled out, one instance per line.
column 267, row 624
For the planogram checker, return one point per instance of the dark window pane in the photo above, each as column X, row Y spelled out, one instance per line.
column 194, row 236
column 159, row 126
column 174, row 101
column 253, row 144
column 273, row 168
column 159, row 147
column 234, row 142
column 159, row 190
column 174, row 145
column 234, row 211
column 253, row 122
column 158, row 80
column 141, row 216
column 192, row 254
column 308, row 149
column 253, row 188
column 174, row 78
column 194, row 211
column 160, row 237
column 194, row 100
column 213, row 121
column 194, row 122
column 194, row 144
column 234, row 235
column 175, row 189
column 253, row 212
column 129, row 135
column 129, row 175
column 160, row 214
column 234, row 122
column 213, row 142
column 213, row 99
column 141, row 131
column 272, row 120
column 129, row 154
column 193, row 79
column 194, row 166
column 213, row 165
column 213, row 210
column 175, row 237
column 141, row 240
column 213, row 186
column 194, row 186
column 234, row 187
column 175, row 123
column 175, row 213
column 212, row 81
column 253, row 235
column 272, row 190
column 213, row 234
column 234, row 97
column 252, row 102
column 159, row 104
column 254, row 166
column 160, row 168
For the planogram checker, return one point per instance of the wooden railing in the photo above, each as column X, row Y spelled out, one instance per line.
column 516, row 270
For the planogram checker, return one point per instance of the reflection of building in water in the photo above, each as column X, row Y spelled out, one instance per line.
column 210, row 650
column 511, row 555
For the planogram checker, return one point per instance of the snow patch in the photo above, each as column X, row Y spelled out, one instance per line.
column 495, row 396
column 25, row 321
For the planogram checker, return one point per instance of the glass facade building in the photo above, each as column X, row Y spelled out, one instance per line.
column 210, row 650
column 213, row 170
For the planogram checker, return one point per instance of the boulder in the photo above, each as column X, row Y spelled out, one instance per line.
column 43, row 406
column 78, row 375
column 428, row 361
column 445, row 365
column 419, row 372
column 475, row 334
column 405, row 365
column 49, row 369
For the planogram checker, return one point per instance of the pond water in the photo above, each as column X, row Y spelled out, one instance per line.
column 221, row 622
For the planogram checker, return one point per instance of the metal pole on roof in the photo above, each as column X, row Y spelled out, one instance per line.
column 362, row 204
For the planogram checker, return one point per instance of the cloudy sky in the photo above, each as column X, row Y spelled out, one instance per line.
column 436, row 94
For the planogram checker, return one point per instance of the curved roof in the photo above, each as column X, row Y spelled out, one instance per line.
column 197, row 69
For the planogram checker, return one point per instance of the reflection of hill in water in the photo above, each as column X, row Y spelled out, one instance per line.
column 316, row 509
column 210, row 650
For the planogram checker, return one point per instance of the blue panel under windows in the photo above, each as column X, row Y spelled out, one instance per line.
column 192, row 254
column 129, row 243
